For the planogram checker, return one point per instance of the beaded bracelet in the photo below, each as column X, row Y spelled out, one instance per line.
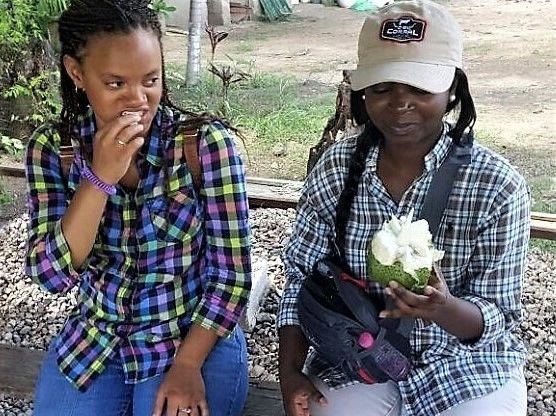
column 97, row 182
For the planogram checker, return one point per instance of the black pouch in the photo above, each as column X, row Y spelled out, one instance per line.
column 340, row 319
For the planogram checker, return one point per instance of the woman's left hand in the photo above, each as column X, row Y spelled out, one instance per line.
column 182, row 391
column 436, row 299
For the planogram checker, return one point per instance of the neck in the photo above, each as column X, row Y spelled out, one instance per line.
column 409, row 154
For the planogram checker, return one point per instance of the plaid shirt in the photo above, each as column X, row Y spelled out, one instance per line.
column 166, row 255
column 484, row 231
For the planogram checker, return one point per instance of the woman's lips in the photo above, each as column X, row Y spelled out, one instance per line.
column 401, row 129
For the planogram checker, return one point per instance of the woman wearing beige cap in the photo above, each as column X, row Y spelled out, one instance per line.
column 466, row 359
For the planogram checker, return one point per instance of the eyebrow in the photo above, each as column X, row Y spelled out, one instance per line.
column 109, row 74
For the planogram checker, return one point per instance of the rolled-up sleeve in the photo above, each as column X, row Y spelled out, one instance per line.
column 48, row 259
column 498, row 264
column 228, row 263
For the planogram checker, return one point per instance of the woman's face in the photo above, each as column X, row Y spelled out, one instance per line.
column 120, row 72
column 405, row 114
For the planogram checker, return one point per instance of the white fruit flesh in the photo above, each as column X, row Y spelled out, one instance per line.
column 409, row 243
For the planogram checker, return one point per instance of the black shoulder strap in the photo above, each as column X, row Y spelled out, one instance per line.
column 436, row 202
column 442, row 182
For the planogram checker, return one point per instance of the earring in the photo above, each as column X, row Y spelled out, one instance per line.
column 363, row 96
column 452, row 98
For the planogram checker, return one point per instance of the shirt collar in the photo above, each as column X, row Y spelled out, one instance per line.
column 438, row 153
column 153, row 149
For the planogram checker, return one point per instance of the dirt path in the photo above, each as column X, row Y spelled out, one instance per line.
column 509, row 58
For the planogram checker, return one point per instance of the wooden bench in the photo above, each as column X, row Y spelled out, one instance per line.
column 278, row 193
column 19, row 368
column 274, row 193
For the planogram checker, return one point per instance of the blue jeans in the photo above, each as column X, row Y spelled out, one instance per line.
column 224, row 373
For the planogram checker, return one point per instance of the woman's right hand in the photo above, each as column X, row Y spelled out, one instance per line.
column 111, row 158
column 297, row 392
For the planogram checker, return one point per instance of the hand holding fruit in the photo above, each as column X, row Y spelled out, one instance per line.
column 430, row 305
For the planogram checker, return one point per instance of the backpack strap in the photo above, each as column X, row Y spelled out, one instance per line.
column 190, row 147
column 442, row 182
column 66, row 159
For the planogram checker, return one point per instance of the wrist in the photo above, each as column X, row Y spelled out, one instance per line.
column 448, row 311
column 189, row 362
column 289, row 368
column 98, row 170
column 97, row 182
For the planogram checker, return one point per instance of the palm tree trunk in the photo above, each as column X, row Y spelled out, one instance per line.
column 196, row 18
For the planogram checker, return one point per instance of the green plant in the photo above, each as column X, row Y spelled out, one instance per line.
column 52, row 9
column 26, row 64
column 5, row 196
column 228, row 76
column 10, row 145
column 20, row 29
column 548, row 246
column 41, row 96
column 161, row 7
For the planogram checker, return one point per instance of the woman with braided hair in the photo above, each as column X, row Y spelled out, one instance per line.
column 156, row 242
column 465, row 357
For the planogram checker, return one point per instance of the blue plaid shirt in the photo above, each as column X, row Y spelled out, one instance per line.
column 484, row 232
column 166, row 255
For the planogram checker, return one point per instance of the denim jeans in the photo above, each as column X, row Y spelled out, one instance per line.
column 224, row 373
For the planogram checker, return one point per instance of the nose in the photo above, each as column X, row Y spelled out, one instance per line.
column 136, row 96
column 402, row 99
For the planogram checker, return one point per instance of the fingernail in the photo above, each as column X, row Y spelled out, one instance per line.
column 382, row 314
column 388, row 291
column 428, row 290
column 394, row 284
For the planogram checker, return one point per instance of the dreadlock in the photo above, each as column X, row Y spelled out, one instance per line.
column 84, row 19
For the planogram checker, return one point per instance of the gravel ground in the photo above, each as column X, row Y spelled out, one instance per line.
column 30, row 317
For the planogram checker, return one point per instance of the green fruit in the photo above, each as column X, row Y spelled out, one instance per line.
column 385, row 274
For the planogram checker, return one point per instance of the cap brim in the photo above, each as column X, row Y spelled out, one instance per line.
column 429, row 77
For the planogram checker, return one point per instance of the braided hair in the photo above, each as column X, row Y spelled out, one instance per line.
column 466, row 117
column 84, row 19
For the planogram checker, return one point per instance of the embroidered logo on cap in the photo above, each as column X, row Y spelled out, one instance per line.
column 404, row 29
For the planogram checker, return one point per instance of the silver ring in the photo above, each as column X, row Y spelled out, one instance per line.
column 121, row 143
column 187, row 410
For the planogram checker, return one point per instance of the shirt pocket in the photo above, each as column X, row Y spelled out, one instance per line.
column 174, row 215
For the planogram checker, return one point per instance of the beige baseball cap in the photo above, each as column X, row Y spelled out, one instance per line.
column 415, row 42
